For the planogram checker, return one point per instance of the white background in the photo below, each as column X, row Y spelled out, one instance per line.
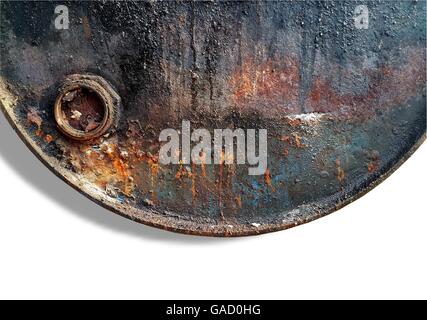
column 54, row 243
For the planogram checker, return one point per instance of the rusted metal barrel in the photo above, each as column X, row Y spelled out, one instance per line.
column 339, row 87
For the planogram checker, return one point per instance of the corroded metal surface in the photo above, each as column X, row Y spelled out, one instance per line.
column 343, row 106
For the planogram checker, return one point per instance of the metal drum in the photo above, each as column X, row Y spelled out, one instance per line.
column 332, row 95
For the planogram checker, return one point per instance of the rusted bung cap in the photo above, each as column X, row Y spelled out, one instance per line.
column 87, row 107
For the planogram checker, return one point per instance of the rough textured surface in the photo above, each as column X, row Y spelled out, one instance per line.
column 342, row 106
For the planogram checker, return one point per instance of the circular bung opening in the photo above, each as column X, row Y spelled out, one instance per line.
column 86, row 107
column 83, row 109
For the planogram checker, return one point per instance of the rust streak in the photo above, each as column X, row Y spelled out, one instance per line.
column 86, row 28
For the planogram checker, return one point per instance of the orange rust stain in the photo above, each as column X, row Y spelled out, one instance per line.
column 193, row 181
column 297, row 140
column 116, row 166
column 222, row 157
column 48, row 138
column 340, row 171
column 178, row 174
column 286, row 152
column 286, row 139
column 341, row 174
column 103, row 167
column 294, row 123
column 273, row 87
column 203, row 163
column 86, row 27
column 238, row 200
column 273, row 84
column 372, row 166
column 267, row 179
column 182, row 172
column 154, row 171
column 322, row 95
column 388, row 86
column 294, row 139
column 120, row 166
column 244, row 86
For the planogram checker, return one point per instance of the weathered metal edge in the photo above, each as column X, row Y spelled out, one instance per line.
column 153, row 219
